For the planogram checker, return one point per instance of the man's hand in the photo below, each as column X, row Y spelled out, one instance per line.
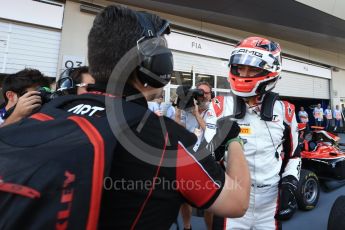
column 288, row 204
column 25, row 106
column 197, row 115
column 159, row 113
column 178, row 115
column 195, row 110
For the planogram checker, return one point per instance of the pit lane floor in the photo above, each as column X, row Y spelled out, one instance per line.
column 315, row 219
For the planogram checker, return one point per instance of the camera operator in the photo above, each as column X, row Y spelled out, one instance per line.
column 21, row 96
column 156, row 105
column 199, row 119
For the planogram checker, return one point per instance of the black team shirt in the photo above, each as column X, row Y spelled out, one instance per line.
column 143, row 195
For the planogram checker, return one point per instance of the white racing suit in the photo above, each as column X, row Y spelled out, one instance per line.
column 264, row 143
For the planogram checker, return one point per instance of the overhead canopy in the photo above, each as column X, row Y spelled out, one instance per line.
column 285, row 19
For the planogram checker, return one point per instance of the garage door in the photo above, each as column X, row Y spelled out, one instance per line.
column 291, row 84
column 201, row 64
column 300, row 85
column 23, row 46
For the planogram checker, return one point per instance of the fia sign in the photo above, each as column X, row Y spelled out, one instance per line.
column 196, row 45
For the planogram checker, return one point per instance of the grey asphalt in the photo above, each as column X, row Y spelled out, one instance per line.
column 315, row 219
column 318, row 217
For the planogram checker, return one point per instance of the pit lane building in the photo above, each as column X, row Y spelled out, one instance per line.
column 52, row 35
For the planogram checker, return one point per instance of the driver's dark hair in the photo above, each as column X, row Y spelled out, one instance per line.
column 20, row 81
column 77, row 73
column 115, row 31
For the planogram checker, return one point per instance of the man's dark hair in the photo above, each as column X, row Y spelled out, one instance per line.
column 77, row 73
column 20, row 81
column 115, row 31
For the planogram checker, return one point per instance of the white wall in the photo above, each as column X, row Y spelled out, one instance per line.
column 33, row 12
column 75, row 30
column 338, row 87
column 15, row 54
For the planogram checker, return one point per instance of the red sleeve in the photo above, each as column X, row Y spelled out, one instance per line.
column 199, row 182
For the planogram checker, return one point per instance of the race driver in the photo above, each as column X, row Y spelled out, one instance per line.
column 268, row 130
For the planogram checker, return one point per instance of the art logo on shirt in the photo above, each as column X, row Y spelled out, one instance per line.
column 84, row 109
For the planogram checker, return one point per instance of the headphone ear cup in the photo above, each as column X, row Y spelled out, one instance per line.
column 160, row 63
column 67, row 84
column 212, row 95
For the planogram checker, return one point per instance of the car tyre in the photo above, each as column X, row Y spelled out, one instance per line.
column 308, row 191
column 336, row 220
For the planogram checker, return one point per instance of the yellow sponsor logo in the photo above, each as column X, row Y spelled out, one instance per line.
column 246, row 130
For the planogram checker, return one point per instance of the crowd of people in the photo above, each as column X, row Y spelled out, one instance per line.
column 328, row 118
column 22, row 91
column 240, row 152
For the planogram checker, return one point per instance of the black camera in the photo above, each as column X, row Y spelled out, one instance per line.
column 47, row 95
column 186, row 96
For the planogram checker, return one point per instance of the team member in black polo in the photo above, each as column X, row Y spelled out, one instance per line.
column 154, row 169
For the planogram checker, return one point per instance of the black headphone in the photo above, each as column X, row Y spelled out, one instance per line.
column 66, row 83
column 156, row 60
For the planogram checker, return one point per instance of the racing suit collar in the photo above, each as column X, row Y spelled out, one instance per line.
column 254, row 108
column 257, row 107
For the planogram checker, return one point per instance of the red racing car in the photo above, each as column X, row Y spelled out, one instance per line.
column 323, row 162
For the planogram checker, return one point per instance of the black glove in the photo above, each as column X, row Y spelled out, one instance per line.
column 288, row 204
column 226, row 130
